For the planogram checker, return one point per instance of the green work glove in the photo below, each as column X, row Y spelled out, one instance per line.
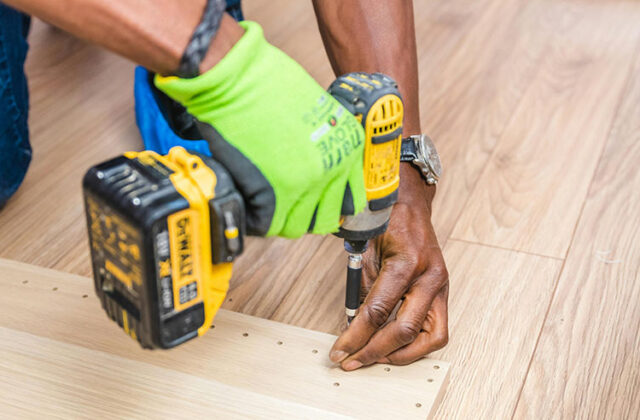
column 294, row 152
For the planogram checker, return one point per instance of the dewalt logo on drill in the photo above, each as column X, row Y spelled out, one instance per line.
column 184, row 247
column 184, row 258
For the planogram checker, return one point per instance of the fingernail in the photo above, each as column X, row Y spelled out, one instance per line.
column 338, row 356
column 352, row 365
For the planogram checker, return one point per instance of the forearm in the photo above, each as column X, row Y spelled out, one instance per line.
column 153, row 33
column 374, row 36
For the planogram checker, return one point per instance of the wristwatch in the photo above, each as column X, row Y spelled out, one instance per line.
column 420, row 151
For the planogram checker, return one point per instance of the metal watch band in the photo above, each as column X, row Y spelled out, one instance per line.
column 201, row 39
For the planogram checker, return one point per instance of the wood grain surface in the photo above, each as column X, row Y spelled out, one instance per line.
column 530, row 194
column 472, row 78
column 494, row 295
column 588, row 357
column 533, row 106
column 58, row 349
column 43, row 377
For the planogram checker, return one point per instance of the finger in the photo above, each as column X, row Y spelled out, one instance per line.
column 357, row 188
column 401, row 331
column 330, row 207
column 370, row 270
column 434, row 337
column 365, row 286
column 385, row 293
column 299, row 218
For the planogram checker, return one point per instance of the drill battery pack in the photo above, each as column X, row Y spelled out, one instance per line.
column 163, row 232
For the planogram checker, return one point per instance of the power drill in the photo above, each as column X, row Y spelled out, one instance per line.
column 165, row 230
column 375, row 101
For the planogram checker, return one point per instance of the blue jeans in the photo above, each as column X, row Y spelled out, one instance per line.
column 15, row 151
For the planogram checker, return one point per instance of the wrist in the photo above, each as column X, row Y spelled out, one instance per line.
column 413, row 185
column 228, row 34
column 410, row 124
column 202, row 93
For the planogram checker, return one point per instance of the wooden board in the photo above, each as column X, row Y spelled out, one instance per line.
column 43, row 377
column 588, row 357
column 57, row 343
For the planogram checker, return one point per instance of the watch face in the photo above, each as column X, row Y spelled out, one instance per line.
column 431, row 156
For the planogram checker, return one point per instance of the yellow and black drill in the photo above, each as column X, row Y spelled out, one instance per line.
column 375, row 101
column 164, row 230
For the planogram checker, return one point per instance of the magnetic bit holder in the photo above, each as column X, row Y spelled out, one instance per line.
column 354, row 276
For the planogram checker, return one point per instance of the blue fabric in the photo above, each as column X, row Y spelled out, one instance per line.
column 234, row 9
column 15, row 151
column 156, row 131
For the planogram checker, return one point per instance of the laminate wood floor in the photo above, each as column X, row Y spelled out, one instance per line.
column 535, row 108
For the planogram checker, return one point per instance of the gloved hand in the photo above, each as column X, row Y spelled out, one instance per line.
column 291, row 148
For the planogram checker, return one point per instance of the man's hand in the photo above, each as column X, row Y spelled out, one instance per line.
column 405, row 262
column 405, row 265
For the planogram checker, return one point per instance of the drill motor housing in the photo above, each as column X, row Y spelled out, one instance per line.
column 376, row 102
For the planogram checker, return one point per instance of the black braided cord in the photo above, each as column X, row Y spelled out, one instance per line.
column 201, row 39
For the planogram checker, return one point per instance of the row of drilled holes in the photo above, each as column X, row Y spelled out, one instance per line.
column 55, row 289
column 314, row 351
